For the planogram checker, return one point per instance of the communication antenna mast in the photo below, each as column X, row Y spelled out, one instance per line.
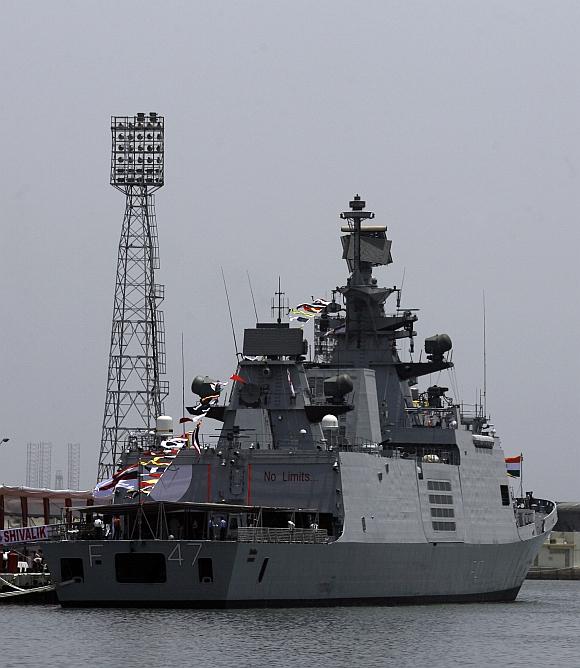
column 280, row 308
column 484, row 363
column 135, row 393
column 38, row 464
column 74, row 466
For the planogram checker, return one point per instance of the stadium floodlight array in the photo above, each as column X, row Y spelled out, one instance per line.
column 137, row 155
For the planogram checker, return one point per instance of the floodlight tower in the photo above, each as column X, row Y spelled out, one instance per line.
column 135, row 393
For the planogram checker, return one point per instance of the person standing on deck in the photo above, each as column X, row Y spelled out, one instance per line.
column 98, row 526
column 116, row 527
column 223, row 529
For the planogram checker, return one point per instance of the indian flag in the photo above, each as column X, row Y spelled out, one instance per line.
column 514, row 466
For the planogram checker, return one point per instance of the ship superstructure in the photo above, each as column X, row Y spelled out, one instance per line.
column 333, row 481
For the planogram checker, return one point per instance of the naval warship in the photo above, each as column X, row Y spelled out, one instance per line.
column 334, row 480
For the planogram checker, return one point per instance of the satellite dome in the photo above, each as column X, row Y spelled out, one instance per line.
column 164, row 426
column 329, row 422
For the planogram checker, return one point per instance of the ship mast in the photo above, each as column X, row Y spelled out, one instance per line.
column 354, row 217
column 363, row 247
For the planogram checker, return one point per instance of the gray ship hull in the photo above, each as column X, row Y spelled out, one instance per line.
column 263, row 575
column 333, row 482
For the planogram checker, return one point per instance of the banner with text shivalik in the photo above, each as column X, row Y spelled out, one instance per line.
column 26, row 534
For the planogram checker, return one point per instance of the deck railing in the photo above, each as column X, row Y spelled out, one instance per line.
column 275, row 535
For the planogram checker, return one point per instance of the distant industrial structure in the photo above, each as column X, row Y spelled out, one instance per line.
column 135, row 393
column 559, row 558
column 58, row 479
column 74, row 466
column 38, row 464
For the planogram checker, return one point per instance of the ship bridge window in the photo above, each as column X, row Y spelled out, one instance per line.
column 439, row 485
column 442, row 512
column 443, row 526
column 140, row 568
column 442, row 499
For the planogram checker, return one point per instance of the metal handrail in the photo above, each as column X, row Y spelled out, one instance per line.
column 281, row 535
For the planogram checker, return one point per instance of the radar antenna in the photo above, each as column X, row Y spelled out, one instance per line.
column 280, row 307
column 354, row 219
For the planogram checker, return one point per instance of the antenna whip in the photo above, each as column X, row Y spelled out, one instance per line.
column 484, row 363
column 230, row 311
column 252, row 293
column 182, row 379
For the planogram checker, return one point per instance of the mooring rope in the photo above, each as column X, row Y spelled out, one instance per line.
column 11, row 585
column 18, row 591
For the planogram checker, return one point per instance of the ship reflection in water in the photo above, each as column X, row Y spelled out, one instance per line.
column 452, row 635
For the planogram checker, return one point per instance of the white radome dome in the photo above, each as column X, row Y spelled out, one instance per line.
column 164, row 425
column 329, row 422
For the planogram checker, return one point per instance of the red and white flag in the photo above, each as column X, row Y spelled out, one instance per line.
column 514, row 466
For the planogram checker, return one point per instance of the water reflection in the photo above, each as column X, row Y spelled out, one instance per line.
column 538, row 629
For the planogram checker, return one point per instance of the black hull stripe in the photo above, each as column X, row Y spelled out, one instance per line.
column 485, row 597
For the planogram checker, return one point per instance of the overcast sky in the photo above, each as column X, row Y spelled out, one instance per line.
column 457, row 121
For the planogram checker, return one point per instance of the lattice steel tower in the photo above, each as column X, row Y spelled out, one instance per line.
column 38, row 464
column 74, row 466
column 135, row 393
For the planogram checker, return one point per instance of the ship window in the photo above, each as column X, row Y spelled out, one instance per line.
column 263, row 570
column 439, row 485
column 205, row 570
column 131, row 567
column 443, row 526
column 71, row 569
column 441, row 499
column 442, row 512
column 505, row 495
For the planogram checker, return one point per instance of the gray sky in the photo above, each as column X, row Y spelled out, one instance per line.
column 457, row 121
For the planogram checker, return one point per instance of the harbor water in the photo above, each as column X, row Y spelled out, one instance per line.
column 539, row 629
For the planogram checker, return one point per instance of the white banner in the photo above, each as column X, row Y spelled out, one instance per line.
column 26, row 534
